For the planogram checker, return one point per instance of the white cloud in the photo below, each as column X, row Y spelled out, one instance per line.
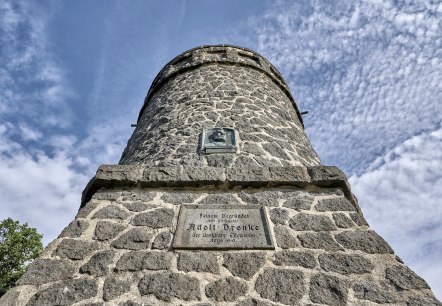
column 369, row 73
column 35, row 188
column 400, row 197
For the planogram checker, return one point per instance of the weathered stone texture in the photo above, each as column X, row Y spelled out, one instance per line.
column 105, row 230
column 199, row 262
column 43, row 271
column 285, row 238
column 162, row 241
column 75, row 249
column 167, row 285
column 329, row 290
column 374, row 293
column 99, row 263
column 140, row 260
column 404, row 278
column 114, row 287
column 345, row 263
column 74, row 229
column 135, row 239
column 304, row 221
column 282, row 286
column 157, row 218
column 227, row 289
column 295, row 258
column 111, row 212
column 65, row 293
column 366, row 241
column 244, row 265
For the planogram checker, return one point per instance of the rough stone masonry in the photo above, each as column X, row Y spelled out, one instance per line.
column 171, row 225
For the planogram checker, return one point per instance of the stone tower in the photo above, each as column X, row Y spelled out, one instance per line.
column 219, row 199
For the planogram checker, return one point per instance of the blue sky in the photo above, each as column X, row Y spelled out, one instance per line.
column 73, row 76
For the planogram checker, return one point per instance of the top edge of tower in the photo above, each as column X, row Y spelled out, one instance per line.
column 222, row 54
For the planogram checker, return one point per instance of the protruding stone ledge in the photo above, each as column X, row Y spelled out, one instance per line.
column 119, row 176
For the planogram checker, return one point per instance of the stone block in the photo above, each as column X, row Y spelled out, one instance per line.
column 99, row 263
column 265, row 198
column 404, row 278
column 328, row 290
column 326, row 175
column 111, row 212
column 75, row 249
column 254, row 302
column 279, row 215
column 162, row 241
column 285, row 238
column 114, row 287
column 373, row 293
column 43, row 271
column 342, row 221
column 365, row 241
column 345, row 263
column 281, row 286
column 105, row 230
column 226, row 289
column 157, row 218
column 118, row 175
column 220, row 198
column 142, row 260
column 138, row 206
column 310, row 222
column 294, row 176
column 166, row 285
column 75, row 229
column 244, row 265
column 299, row 202
column 248, row 176
column 322, row 241
column 179, row 197
column 304, row 259
column 199, row 262
column 358, row 219
column 134, row 239
column 334, row 204
column 66, row 292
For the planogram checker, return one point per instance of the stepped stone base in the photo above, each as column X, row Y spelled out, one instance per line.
column 118, row 250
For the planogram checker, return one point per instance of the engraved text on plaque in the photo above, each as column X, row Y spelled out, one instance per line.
column 223, row 227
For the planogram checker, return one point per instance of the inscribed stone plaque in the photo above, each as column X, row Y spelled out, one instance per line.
column 223, row 227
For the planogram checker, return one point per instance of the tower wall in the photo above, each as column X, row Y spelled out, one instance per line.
column 126, row 245
column 220, row 86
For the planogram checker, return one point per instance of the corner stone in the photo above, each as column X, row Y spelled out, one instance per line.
column 366, row 241
column 404, row 278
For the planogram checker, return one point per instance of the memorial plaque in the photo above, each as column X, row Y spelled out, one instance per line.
column 223, row 227
column 219, row 140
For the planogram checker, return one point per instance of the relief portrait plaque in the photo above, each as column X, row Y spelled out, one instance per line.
column 223, row 227
column 219, row 140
